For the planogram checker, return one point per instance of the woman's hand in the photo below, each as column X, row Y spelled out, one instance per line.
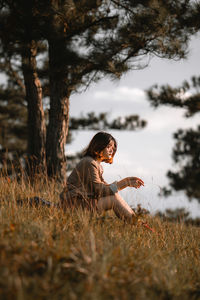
column 130, row 181
column 135, row 182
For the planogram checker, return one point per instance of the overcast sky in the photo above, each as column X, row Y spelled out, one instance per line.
column 145, row 153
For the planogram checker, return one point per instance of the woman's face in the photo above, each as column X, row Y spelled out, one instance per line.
column 107, row 152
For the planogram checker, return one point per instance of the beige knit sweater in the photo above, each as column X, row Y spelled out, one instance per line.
column 86, row 183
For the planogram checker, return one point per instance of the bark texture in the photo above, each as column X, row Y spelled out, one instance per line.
column 36, row 119
column 58, row 115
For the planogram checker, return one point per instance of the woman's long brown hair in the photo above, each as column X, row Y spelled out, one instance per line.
column 99, row 142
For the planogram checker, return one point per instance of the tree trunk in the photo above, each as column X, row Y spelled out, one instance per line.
column 59, row 113
column 36, row 119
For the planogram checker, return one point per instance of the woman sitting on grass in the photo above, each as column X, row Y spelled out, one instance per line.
column 86, row 187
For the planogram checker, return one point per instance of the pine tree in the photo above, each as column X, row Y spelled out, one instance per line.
column 186, row 152
column 106, row 38
column 87, row 40
column 19, row 43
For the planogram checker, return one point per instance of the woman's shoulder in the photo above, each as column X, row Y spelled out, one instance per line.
column 88, row 160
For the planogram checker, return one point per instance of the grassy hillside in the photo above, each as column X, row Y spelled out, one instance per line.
column 48, row 254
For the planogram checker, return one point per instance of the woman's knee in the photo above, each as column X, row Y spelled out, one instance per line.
column 109, row 202
column 105, row 203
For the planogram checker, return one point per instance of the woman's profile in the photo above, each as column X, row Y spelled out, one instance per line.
column 86, row 187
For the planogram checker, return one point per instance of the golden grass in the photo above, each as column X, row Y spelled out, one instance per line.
column 48, row 254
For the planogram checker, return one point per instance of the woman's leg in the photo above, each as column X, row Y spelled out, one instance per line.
column 120, row 207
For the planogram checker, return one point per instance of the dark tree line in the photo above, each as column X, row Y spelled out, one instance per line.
column 179, row 215
column 54, row 48
column 186, row 152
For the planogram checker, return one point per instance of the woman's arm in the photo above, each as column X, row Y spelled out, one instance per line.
column 129, row 182
column 89, row 172
column 91, row 175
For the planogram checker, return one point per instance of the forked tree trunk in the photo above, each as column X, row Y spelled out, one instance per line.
column 36, row 119
column 58, row 115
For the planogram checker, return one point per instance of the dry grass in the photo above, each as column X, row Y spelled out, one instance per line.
column 48, row 254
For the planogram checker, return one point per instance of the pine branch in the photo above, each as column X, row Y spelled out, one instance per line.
column 119, row 4
column 12, row 73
